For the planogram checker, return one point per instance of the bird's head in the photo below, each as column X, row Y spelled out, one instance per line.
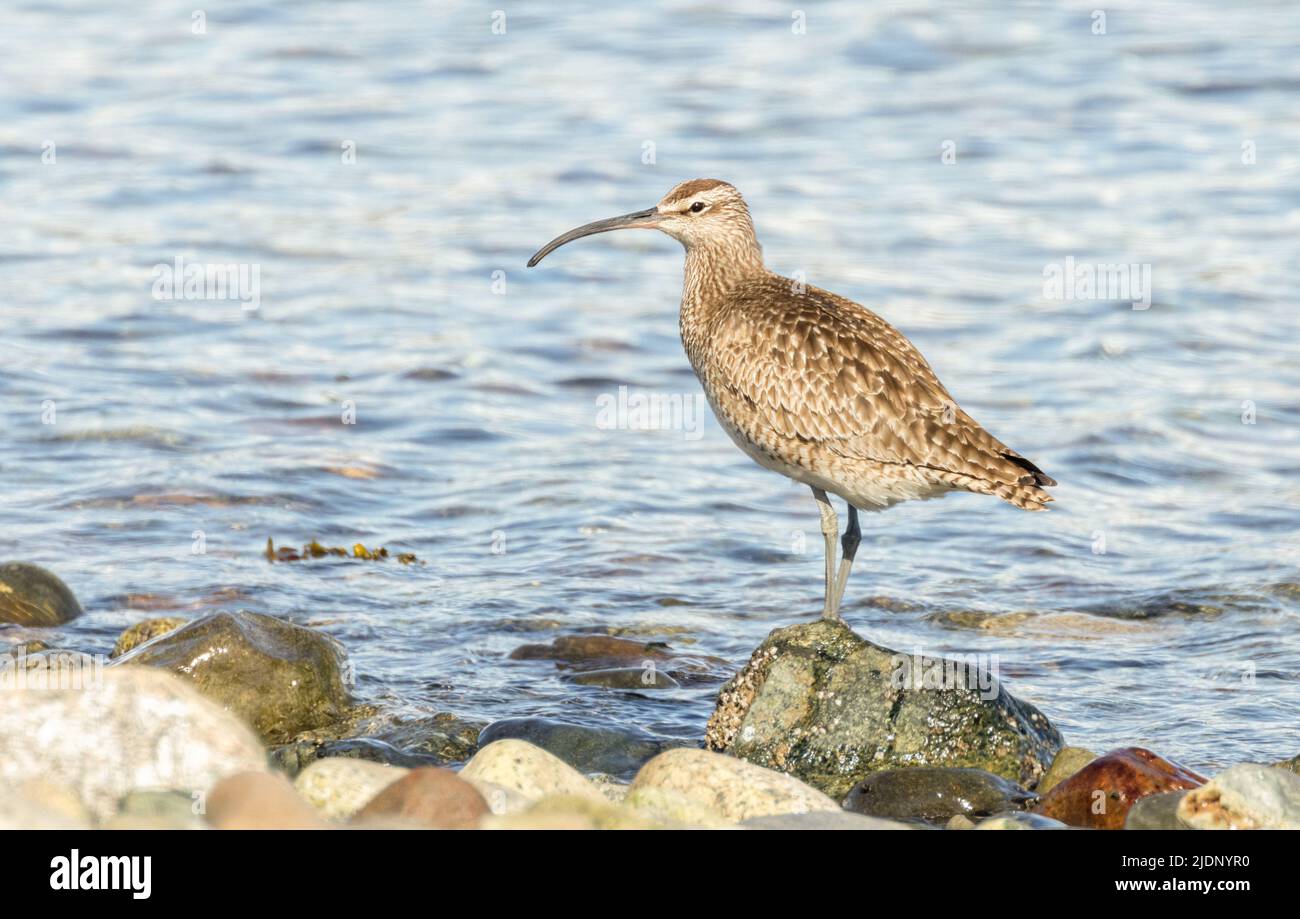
column 698, row 212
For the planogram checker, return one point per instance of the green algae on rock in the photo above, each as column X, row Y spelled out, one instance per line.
column 820, row 703
column 143, row 631
column 283, row 679
column 1067, row 762
column 32, row 596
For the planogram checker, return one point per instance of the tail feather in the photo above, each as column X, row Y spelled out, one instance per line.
column 1025, row 493
column 1036, row 476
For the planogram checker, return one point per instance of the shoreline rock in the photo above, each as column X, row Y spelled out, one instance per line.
column 339, row 787
column 283, row 679
column 1100, row 795
column 1156, row 812
column 32, row 596
column 130, row 730
column 820, row 703
column 143, row 631
column 529, row 771
column 1067, row 762
column 616, row 751
column 1244, row 797
column 428, row 797
column 260, row 801
column 935, row 794
column 732, row 788
column 607, row 659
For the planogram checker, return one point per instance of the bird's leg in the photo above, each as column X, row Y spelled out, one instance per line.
column 830, row 529
column 852, row 537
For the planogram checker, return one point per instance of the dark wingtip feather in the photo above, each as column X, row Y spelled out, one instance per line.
column 1036, row 476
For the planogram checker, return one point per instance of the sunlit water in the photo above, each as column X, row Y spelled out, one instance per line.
column 1136, row 611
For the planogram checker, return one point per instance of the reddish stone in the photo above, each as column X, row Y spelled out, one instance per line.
column 436, row 798
column 1100, row 794
column 260, row 801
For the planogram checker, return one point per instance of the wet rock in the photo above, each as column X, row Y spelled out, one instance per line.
column 733, row 788
column 1067, row 762
column 1019, row 820
column 616, row 751
column 281, row 678
column 960, row 822
column 260, row 801
column 1156, row 812
column 132, row 728
column 625, row 678
column 1245, row 797
column 669, row 807
column 593, row 652
column 338, row 787
column 818, row 702
column 822, row 820
column 527, row 770
column 935, row 794
column 588, row 653
column 435, row 798
column 293, row 758
column 439, row 739
column 144, row 631
column 1291, row 765
column 1100, row 794
column 32, row 596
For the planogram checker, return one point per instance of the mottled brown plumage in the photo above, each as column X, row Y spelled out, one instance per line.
column 813, row 385
column 822, row 384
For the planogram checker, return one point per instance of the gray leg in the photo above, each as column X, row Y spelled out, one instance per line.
column 852, row 536
column 830, row 529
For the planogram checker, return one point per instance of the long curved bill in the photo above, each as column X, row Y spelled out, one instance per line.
column 641, row 220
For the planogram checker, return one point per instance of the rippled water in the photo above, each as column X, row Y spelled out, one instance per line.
column 477, row 442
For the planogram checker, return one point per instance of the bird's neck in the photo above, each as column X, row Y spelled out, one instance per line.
column 713, row 269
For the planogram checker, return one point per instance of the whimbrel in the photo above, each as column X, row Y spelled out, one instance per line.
column 815, row 386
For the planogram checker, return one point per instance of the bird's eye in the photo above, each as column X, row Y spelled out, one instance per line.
column 697, row 207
